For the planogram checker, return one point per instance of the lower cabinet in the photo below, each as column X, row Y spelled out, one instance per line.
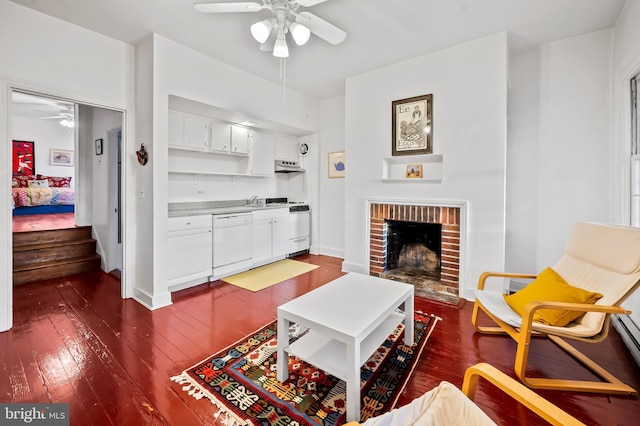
column 270, row 235
column 190, row 248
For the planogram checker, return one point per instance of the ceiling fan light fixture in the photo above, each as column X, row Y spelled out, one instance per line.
column 300, row 33
column 67, row 123
column 281, row 50
column 261, row 30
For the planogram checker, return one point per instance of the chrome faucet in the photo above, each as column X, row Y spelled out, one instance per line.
column 253, row 200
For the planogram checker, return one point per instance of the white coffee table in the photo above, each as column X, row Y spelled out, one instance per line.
column 348, row 319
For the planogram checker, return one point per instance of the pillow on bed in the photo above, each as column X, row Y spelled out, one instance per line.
column 39, row 183
column 57, row 182
column 21, row 181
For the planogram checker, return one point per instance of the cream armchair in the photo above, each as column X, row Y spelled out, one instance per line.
column 598, row 258
column 446, row 405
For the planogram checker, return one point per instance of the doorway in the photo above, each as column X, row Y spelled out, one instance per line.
column 77, row 130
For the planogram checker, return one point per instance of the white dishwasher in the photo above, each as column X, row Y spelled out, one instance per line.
column 232, row 243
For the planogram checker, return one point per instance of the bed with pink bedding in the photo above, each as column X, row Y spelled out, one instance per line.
column 47, row 195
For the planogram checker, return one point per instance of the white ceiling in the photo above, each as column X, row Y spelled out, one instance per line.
column 379, row 32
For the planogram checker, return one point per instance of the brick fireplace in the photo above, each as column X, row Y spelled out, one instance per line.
column 442, row 284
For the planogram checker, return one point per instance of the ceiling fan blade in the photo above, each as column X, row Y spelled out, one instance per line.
column 309, row 3
column 321, row 28
column 242, row 6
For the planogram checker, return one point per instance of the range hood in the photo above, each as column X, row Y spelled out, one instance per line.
column 288, row 166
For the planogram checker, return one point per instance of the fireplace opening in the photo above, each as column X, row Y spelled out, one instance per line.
column 417, row 244
column 413, row 252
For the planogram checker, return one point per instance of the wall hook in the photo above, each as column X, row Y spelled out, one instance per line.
column 143, row 155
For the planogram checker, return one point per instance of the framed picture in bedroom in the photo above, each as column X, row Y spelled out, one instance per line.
column 412, row 126
column 23, row 158
column 58, row 157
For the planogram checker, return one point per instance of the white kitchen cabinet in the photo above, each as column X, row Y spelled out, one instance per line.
column 220, row 137
column 270, row 235
column 262, row 153
column 196, row 132
column 240, row 140
column 190, row 248
column 176, row 129
column 261, row 241
column 286, row 148
column 280, row 242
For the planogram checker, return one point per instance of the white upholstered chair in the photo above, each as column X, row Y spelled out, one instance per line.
column 598, row 258
column 446, row 405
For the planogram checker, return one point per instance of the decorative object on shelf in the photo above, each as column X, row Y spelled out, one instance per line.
column 58, row 157
column 412, row 126
column 414, row 171
column 271, row 32
column 304, row 149
column 23, row 158
column 143, row 155
column 336, row 164
column 98, row 146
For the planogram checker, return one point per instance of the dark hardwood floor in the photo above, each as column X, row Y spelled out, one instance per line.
column 74, row 340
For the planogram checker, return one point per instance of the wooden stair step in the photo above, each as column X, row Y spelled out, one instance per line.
column 42, row 265
column 51, row 236
column 48, row 245
column 41, row 253
column 55, row 269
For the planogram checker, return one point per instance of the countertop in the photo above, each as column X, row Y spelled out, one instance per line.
column 204, row 210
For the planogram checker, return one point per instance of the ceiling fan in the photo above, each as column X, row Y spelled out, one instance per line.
column 271, row 32
column 67, row 117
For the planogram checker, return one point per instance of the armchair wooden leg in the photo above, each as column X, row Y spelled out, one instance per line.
column 611, row 385
column 477, row 306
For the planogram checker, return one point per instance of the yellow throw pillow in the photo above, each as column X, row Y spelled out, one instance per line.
column 550, row 287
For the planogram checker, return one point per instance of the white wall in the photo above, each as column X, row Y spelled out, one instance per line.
column 46, row 135
column 102, row 120
column 332, row 202
column 558, row 154
column 47, row 55
column 469, row 87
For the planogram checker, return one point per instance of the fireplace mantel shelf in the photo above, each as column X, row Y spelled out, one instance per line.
column 426, row 180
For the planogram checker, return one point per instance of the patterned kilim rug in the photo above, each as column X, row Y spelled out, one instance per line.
column 241, row 380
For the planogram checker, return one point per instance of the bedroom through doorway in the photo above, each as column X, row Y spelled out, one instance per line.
column 66, row 171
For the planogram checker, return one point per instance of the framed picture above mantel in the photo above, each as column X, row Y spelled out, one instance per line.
column 412, row 126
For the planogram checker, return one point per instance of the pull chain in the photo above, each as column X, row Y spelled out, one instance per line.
column 283, row 77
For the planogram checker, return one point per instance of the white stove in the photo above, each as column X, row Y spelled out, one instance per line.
column 299, row 228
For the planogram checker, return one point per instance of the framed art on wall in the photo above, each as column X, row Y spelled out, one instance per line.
column 23, row 158
column 58, row 157
column 336, row 164
column 414, row 171
column 412, row 126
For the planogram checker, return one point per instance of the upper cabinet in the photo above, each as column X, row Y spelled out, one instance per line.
column 196, row 132
column 262, row 155
column 240, row 137
column 203, row 145
column 220, row 136
column 176, row 129
column 286, row 148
